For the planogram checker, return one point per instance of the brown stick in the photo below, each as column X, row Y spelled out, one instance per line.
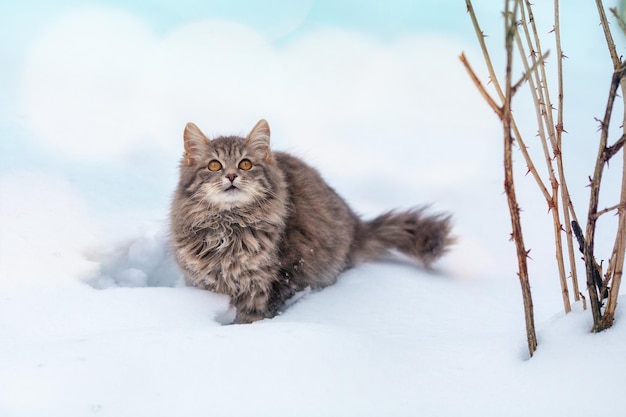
column 509, row 187
column 592, row 217
column 566, row 201
column 543, row 112
column 496, row 84
column 607, row 34
column 609, row 209
column 616, row 262
column 615, row 148
column 497, row 109
column 510, row 128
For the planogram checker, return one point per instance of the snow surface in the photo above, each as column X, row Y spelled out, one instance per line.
column 94, row 319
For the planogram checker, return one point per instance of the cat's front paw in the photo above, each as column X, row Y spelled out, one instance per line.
column 244, row 317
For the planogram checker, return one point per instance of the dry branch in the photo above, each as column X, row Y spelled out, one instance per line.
column 523, row 35
column 604, row 320
column 510, row 133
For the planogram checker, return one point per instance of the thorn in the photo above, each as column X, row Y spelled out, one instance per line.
column 528, row 254
column 553, row 29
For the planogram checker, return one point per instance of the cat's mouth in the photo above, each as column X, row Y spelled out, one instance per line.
column 231, row 189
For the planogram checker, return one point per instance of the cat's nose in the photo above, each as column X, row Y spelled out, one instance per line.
column 231, row 177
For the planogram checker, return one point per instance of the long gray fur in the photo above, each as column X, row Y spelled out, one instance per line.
column 261, row 234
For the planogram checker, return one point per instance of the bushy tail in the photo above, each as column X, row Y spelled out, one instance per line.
column 419, row 235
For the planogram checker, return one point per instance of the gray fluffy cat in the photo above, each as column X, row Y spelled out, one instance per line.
column 260, row 226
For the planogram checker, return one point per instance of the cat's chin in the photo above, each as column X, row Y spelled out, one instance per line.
column 231, row 198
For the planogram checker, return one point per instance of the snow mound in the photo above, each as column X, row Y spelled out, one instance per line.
column 141, row 261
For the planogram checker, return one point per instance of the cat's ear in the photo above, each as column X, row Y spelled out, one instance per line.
column 195, row 143
column 259, row 139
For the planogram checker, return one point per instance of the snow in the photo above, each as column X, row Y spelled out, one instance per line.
column 94, row 318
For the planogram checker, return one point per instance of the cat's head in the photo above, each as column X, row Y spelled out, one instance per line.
column 228, row 172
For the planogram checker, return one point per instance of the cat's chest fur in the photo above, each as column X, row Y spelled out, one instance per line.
column 223, row 252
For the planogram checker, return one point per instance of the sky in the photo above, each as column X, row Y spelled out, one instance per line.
column 48, row 48
column 58, row 57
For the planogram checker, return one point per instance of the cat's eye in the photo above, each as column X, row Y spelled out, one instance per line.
column 245, row 164
column 214, row 165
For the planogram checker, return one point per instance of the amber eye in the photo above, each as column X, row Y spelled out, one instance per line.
column 214, row 165
column 245, row 164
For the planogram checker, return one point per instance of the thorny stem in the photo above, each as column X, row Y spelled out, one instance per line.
column 568, row 207
column 616, row 262
column 496, row 84
column 543, row 106
column 529, row 71
column 602, row 322
column 509, row 127
column 509, row 186
column 536, row 76
column 553, row 202
column 497, row 109
column 607, row 34
column 609, row 209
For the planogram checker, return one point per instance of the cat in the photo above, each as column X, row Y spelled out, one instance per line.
column 261, row 225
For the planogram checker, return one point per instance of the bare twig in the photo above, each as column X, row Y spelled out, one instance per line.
column 607, row 34
column 608, row 210
column 547, row 134
column 604, row 320
column 509, row 185
column 619, row 19
column 496, row 84
column 524, row 34
column 566, row 201
column 616, row 262
column 510, row 133
column 529, row 72
column 497, row 109
column 610, row 151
